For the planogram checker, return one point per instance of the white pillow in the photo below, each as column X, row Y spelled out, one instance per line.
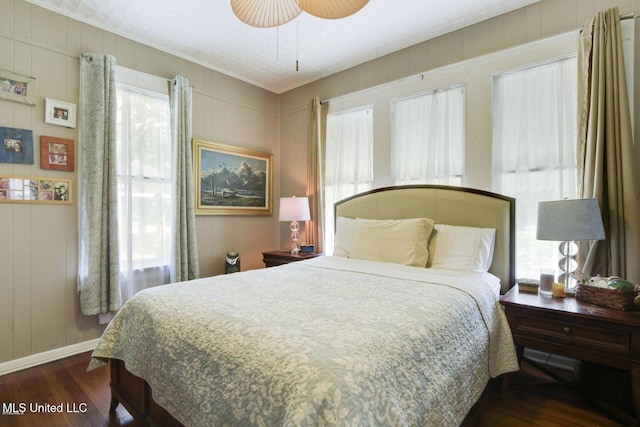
column 401, row 241
column 465, row 249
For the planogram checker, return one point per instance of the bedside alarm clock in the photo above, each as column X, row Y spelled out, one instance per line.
column 307, row 249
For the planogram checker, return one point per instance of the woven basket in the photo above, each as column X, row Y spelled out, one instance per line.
column 607, row 297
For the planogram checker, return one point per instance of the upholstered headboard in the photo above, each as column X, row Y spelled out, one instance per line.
column 445, row 205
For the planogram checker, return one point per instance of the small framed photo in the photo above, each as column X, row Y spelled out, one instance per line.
column 60, row 113
column 56, row 153
column 18, row 88
column 16, row 146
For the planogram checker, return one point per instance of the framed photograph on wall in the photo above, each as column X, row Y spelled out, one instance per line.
column 60, row 113
column 232, row 180
column 18, row 88
column 16, row 146
column 31, row 189
column 56, row 153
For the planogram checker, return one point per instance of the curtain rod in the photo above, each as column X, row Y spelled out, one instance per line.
column 629, row 15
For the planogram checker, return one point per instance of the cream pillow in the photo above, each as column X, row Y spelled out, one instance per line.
column 460, row 248
column 399, row 241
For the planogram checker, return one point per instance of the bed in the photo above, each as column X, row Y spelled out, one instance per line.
column 368, row 336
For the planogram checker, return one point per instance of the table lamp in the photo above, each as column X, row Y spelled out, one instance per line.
column 568, row 221
column 294, row 209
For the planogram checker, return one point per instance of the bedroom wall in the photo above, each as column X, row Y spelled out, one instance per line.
column 38, row 243
column 39, row 310
column 535, row 22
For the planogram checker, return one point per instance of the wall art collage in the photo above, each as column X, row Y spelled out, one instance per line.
column 16, row 146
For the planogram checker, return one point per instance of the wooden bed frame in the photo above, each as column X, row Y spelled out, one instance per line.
column 136, row 396
column 446, row 205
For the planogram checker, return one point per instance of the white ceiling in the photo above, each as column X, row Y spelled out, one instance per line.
column 208, row 33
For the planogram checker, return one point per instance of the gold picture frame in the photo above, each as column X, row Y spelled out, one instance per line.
column 231, row 180
column 18, row 88
column 32, row 189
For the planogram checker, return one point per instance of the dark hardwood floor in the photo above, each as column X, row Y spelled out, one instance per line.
column 533, row 399
column 65, row 382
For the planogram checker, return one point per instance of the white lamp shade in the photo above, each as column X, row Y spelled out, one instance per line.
column 265, row 13
column 271, row 13
column 294, row 209
column 570, row 220
column 331, row 9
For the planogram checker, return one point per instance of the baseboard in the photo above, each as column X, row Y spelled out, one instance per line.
column 47, row 356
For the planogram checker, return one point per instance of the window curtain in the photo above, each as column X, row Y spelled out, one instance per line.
column 349, row 161
column 315, row 172
column 184, row 259
column 534, row 149
column 428, row 141
column 605, row 149
column 98, row 267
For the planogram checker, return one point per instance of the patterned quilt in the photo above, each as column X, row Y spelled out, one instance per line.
column 324, row 342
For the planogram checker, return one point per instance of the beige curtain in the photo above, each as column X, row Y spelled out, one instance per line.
column 606, row 167
column 315, row 172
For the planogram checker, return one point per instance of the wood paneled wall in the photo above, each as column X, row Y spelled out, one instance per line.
column 532, row 23
column 39, row 309
column 38, row 243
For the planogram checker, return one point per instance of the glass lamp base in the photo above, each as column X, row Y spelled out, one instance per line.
column 295, row 228
column 568, row 266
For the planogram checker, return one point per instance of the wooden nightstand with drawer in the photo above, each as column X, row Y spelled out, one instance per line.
column 274, row 258
column 578, row 330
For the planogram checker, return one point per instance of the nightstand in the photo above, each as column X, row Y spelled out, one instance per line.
column 578, row 330
column 274, row 258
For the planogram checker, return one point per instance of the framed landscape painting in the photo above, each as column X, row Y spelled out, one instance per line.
column 232, row 180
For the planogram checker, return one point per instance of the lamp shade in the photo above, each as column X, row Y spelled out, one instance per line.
column 331, row 9
column 271, row 13
column 294, row 209
column 570, row 220
column 265, row 13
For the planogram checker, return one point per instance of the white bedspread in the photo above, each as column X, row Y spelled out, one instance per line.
column 324, row 342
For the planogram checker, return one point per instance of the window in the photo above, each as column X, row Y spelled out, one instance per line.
column 428, row 138
column 349, row 161
column 144, row 166
column 534, row 149
column 475, row 104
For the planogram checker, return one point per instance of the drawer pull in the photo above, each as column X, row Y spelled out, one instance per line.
column 567, row 330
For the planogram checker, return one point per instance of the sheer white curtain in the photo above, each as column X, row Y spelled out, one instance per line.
column 145, row 196
column 428, row 138
column 534, row 150
column 348, row 161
